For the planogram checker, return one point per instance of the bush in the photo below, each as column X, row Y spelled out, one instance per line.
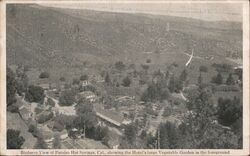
column 44, row 117
column 119, row 65
column 14, row 140
column 13, row 109
column 58, row 126
column 35, row 94
column 126, row 82
column 62, row 79
column 148, row 61
column 76, row 82
column 44, row 75
column 50, row 102
column 32, row 128
column 67, row 98
column 38, row 110
column 203, row 69
column 84, row 77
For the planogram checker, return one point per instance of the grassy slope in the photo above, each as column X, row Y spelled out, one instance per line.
column 61, row 41
column 14, row 121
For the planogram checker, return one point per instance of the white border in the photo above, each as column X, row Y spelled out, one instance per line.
column 244, row 151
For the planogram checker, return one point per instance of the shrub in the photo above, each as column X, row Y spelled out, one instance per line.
column 84, row 77
column 14, row 140
column 44, row 75
column 35, row 94
column 38, row 110
column 126, row 82
column 44, row 117
column 148, row 61
column 119, row 65
column 62, row 79
column 12, row 109
column 58, row 126
column 67, row 98
column 32, row 128
column 50, row 102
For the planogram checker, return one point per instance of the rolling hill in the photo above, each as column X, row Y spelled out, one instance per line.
column 43, row 37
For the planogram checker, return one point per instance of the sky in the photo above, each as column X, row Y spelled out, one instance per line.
column 208, row 11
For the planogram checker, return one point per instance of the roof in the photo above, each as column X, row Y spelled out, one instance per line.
column 109, row 115
column 86, row 93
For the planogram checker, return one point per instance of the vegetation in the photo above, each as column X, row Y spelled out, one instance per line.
column 223, row 67
column 62, row 79
column 84, row 77
column 156, row 91
column 169, row 136
column 126, row 82
column 44, row 117
column 229, row 111
column 41, row 144
column 14, row 140
column 67, row 98
column 35, row 94
column 50, row 102
column 217, row 79
column 44, row 75
column 120, row 65
column 203, row 69
column 57, row 142
column 175, row 84
column 230, row 80
column 11, row 87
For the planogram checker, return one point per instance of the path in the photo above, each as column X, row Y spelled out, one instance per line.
column 190, row 59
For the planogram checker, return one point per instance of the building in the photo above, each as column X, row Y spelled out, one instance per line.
column 109, row 117
column 88, row 95
column 85, row 83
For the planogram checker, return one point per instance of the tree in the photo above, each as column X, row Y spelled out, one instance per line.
column 130, row 132
column 183, row 76
column 203, row 69
column 198, row 120
column 148, row 61
column 229, row 111
column 50, row 102
column 107, row 79
column 217, row 79
column 126, row 82
column 175, row 84
column 44, row 75
column 119, row 65
column 57, row 141
column 67, row 98
column 40, row 143
column 86, row 119
column 14, row 140
column 21, row 79
column 76, row 81
column 168, row 136
column 62, row 79
column 11, row 87
column 230, row 80
column 200, row 79
column 35, row 94
column 84, row 77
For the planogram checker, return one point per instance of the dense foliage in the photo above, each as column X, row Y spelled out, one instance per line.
column 14, row 140
column 35, row 94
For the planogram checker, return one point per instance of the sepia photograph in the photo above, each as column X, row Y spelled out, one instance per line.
column 124, row 76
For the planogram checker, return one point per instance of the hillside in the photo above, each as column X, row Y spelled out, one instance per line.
column 44, row 37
